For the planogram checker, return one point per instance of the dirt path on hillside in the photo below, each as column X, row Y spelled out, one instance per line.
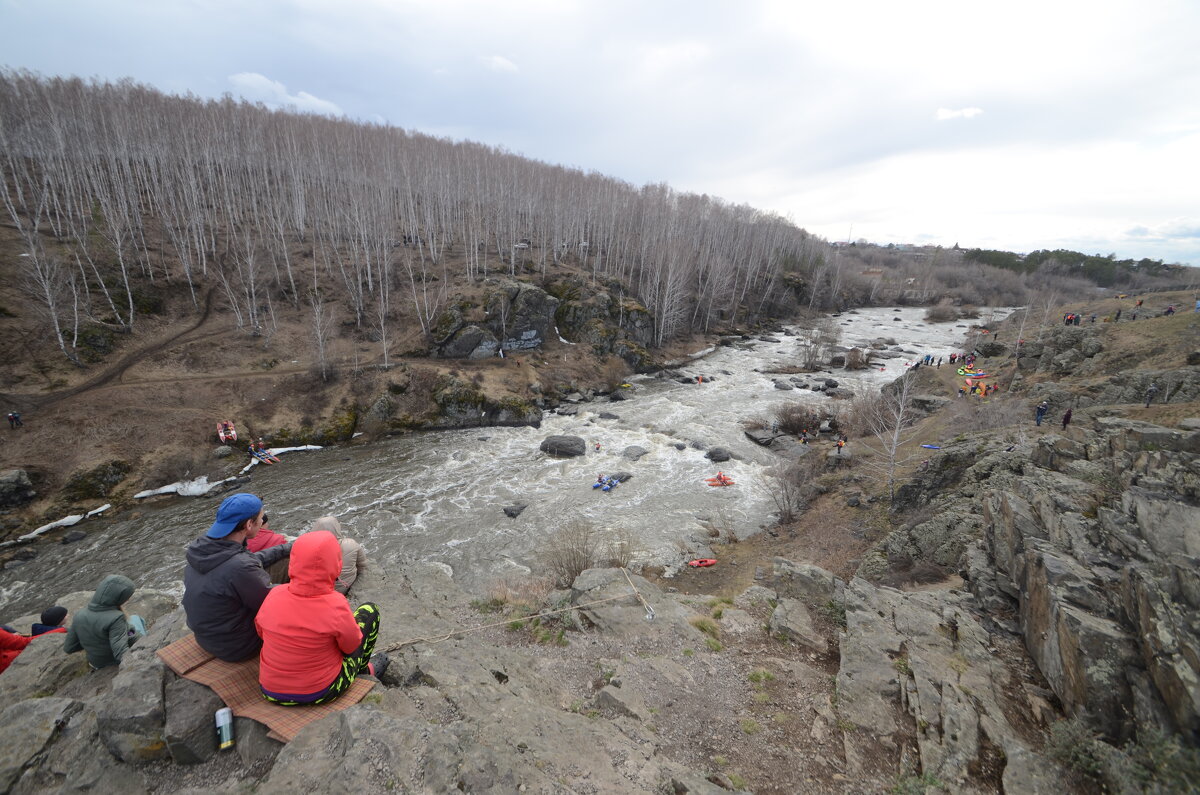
column 118, row 368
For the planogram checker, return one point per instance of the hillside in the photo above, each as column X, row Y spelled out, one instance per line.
column 1018, row 619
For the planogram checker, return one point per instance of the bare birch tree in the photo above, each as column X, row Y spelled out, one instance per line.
column 885, row 421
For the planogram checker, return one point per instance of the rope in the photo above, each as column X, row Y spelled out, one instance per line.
column 439, row 638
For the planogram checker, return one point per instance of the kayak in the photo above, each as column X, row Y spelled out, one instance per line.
column 226, row 436
column 717, row 482
column 264, row 456
column 931, row 447
column 702, row 563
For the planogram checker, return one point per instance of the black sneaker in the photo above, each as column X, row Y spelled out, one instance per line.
column 379, row 664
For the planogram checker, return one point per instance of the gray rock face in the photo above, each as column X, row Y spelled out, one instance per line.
column 791, row 620
column 130, row 718
column 190, row 731
column 564, row 446
column 809, row 584
column 15, row 488
column 42, row 668
column 1093, row 539
column 520, row 316
column 26, row 727
column 760, row 436
column 74, row 760
column 927, row 652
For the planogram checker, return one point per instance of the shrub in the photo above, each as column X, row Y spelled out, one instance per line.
column 941, row 313
column 579, row 546
column 1073, row 745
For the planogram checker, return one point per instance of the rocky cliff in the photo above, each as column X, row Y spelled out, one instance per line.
column 1083, row 540
column 629, row 689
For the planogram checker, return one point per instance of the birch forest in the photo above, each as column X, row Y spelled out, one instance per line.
column 117, row 188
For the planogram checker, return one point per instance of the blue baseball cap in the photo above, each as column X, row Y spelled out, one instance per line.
column 232, row 510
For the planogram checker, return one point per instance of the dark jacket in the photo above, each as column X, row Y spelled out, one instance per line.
column 223, row 587
column 42, row 629
column 100, row 629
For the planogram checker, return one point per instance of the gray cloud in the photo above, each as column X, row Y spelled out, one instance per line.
column 256, row 87
column 827, row 113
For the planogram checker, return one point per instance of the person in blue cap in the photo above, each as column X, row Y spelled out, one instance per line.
column 224, row 584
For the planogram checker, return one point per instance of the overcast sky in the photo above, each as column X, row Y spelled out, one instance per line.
column 1017, row 125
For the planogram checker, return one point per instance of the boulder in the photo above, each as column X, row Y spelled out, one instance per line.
column 760, row 436
column 130, row 717
column 608, row 415
column 564, row 446
column 803, row 581
column 718, row 455
column 222, row 451
column 26, row 728
column 42, row 668
column 790, row 620
column 74, row 760
column 929, row 403
column 15, row 488
column 634, row 452
column 360, row 750
column 513, row 511
column 784, row 385
column 253, row 744
column 190, row 730
column 625, row 701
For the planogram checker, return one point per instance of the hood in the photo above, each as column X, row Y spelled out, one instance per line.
column 113, row 592
column 315, row 563
column 205, row 554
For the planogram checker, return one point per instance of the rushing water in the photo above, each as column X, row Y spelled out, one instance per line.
column 439, row 496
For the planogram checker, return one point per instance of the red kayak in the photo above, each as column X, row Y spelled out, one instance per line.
column 226, row 432
column 702, row 563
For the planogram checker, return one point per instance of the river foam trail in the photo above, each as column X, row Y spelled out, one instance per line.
column 439, row 496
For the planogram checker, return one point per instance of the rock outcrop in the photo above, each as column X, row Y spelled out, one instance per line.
column 1085, row 543
column 515, row 316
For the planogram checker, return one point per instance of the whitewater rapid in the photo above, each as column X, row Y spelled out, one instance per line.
column 439, row 496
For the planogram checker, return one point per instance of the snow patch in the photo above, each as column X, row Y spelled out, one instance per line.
column 66, row 521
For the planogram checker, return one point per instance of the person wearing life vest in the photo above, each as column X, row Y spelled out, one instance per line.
column 840, row 444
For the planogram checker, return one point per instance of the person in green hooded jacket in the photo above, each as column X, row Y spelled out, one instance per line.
column 101, row 629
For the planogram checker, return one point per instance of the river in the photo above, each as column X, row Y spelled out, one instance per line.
column 439, row 496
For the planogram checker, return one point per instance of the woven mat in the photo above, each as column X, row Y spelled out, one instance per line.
column 237, row 685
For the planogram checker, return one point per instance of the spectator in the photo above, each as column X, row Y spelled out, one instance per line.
column 52, row 619
column 224, row 585
column 101, row 629
column 354, row 557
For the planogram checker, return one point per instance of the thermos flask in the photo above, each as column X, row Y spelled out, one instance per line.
column 225, row 728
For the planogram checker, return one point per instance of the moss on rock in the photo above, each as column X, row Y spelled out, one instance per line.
column 96, row 483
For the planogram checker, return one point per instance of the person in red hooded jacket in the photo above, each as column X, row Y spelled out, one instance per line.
column 11, row 644
column 313, row 645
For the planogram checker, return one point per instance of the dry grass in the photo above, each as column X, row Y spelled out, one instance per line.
column 528, row 593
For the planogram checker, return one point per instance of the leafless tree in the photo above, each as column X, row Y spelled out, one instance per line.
column 885, row 421
column 322, row 324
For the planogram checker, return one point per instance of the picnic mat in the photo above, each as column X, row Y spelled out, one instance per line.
column 237, row 685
